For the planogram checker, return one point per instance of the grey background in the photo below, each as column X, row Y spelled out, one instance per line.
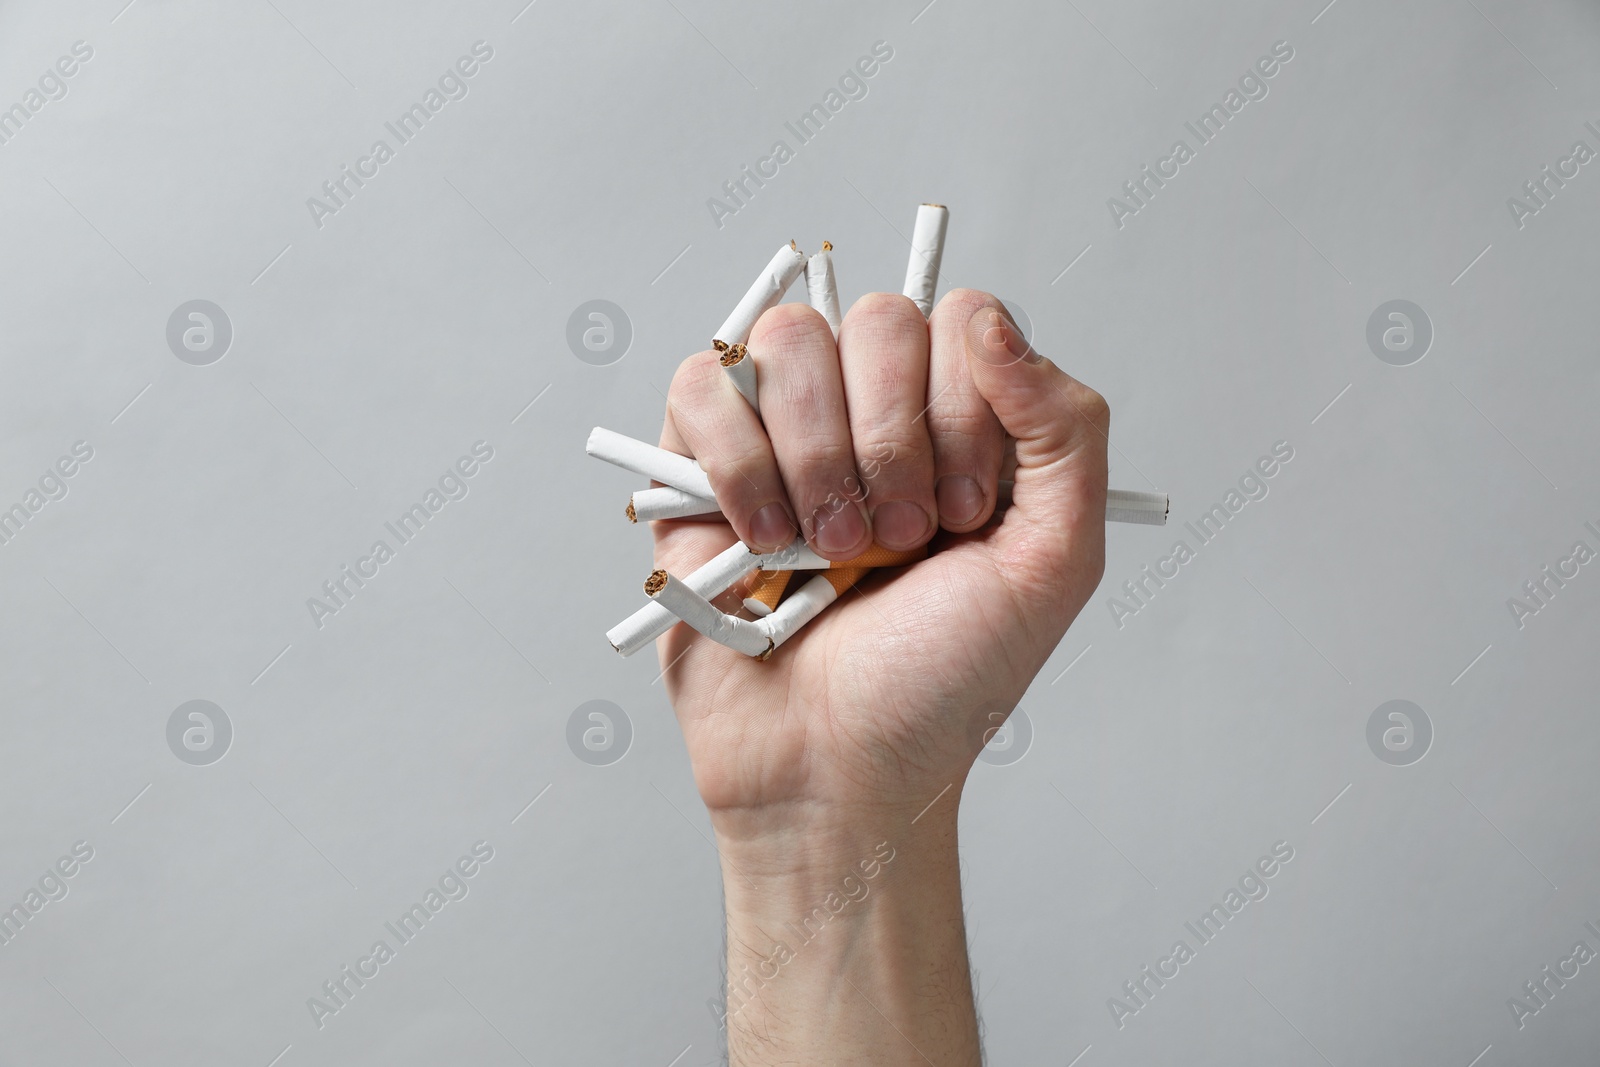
column 369, row 354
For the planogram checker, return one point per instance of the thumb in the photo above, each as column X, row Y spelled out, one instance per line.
column 1057, row 515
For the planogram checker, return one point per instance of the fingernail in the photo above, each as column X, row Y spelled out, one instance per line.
column 840, row 531
column 960, row 499
column 899, row 524
column 770, row 528
column 1000, row 342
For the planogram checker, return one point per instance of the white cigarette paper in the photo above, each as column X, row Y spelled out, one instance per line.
column 757, row 638
column 764, row 293
column 797, row 609
column 741, row 368
column 823, row 288
column 1127, row 505
column 710, row 579
column 741, row 635
column 669, row 502
column 1122, row 505
column 927, row 249
column 648, row 460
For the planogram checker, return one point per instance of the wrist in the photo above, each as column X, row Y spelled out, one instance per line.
column 844, row 929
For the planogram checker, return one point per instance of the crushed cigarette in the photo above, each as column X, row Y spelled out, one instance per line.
column 710, row 579
column 822, row 288
column 1122, row 505
column 669, row 502
column 741, row 635
column 799, row 608
column 764, row 293
column 686, row 490
column 648, row 460
column 741, row 368
column 927, row 249
column 1127, row 505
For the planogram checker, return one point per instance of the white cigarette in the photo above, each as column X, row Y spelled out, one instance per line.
column 927, row 248
column 710, row 579
column 797, row 609
column 1128, row 505
column 764, row 293
column 741, row 635
column 741, row 368
column 757, row 638
column 669, row 502
column 1122, row 505
column 823, row 288
column 648, row 460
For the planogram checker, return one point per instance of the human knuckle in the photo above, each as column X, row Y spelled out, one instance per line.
column 694, row 374
column 886, row 318
column 961, row 426
column 787, row 327
column 823, row 455
column 735, row 470
column 1091, row 404
column 961, row 303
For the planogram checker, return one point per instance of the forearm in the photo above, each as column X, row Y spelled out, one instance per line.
column 846, row 942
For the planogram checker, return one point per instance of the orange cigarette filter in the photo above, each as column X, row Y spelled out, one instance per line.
column 843, row 577
column 769, row 586
column 878, row 556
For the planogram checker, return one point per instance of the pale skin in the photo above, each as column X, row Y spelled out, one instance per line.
column 854, row 740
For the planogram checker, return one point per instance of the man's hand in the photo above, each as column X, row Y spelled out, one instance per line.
column 856, row 736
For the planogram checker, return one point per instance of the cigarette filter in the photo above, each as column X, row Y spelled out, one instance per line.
column 843, row 577
column 712, row 578
column 1127, row 505
column 669, row 502
column 650, row 461
column 764, row 293
column 741, row 368
column 823, row 288
column 741, row 635
column 766, row 591
column 927, row 249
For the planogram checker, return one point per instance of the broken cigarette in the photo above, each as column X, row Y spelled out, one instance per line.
column 927, row 249
column 741, row 635
column 764, row 293
column 710, row 579
column 823, row 288
column 669, row 502
column 1128, row 505
column 1122, row 505
column 656, row 463
column 741, row 368
column 803, row 605
column 759, row 638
